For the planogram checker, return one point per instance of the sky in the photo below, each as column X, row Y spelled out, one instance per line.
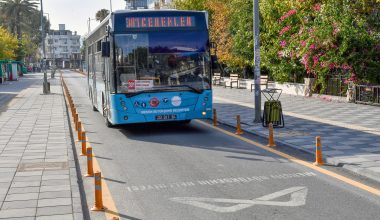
column 75, row 13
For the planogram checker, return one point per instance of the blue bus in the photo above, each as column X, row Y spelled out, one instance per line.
column 150, row 66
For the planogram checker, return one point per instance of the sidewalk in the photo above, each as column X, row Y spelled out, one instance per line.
column 350, row 133
column 38, row 178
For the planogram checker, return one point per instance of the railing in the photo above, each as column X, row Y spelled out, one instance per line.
column 367, row 94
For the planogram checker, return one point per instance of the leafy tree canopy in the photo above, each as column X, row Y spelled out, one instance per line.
column 101, row 14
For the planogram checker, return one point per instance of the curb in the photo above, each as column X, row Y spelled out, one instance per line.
column 336, row 162
column 76, row 182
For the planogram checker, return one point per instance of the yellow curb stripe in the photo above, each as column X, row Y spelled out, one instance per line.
column 299, row 161
column 111, row 210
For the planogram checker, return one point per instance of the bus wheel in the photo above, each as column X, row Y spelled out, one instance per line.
column 92, row 103
column 105, row 115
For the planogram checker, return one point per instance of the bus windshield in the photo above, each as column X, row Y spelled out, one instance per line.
column 163, row 61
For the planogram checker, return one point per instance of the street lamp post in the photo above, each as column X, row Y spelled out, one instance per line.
column 46, row 85
column 43, row 36
column 89, row 24
column 256, row 45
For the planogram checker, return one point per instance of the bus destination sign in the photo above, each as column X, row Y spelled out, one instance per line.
column 160, row 22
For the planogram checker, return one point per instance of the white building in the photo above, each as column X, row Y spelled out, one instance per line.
column 63, row 48
column 162, row 4
column 136, row 4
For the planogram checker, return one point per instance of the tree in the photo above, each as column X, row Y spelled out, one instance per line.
column 241, row 28
column 17, row 13
column 198, row 5
column 101, row 14
column 8, row 45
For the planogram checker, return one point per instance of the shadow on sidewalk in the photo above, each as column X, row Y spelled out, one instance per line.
column 338, row 142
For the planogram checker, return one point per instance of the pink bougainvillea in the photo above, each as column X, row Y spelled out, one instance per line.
column 283, row 43
column 317, row 7
column 288, row 14
column 346, row 67
column 284, row 30
column 315, row 60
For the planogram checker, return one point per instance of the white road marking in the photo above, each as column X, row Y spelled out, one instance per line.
column 297, row 198
column 218, row 181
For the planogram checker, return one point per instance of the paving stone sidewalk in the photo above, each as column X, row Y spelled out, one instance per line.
column 350, row 132
column 38, row 178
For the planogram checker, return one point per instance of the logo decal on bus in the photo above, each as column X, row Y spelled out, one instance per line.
column 154, row 102
column 131, row 85
column 176, row 101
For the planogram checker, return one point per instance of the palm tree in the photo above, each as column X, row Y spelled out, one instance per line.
column 17, row 13
column 101, row 14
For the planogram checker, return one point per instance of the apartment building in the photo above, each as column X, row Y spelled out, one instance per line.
column 162, row 4
column 63, row 48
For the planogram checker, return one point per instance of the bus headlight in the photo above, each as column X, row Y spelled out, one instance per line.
column 204, row 113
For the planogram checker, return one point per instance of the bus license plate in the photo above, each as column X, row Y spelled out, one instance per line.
column 166, row 117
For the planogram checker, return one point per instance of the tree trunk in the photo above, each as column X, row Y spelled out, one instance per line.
column 18, row 26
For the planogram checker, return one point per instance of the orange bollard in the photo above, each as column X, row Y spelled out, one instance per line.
column 98, row 193
column 90, row 169
column 214, row 117
column 79, row 125
column 72, row 108
column 271, row 136
column 76, row 120
column 84, row 143
column 238, row 126
column 74, row 112
column 318, row 151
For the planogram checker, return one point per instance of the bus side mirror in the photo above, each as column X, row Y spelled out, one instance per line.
column 106, row 48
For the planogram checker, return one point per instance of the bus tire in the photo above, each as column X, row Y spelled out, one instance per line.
column 105, row 116
column 92, row 103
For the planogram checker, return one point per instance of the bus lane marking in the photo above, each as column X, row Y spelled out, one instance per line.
column 217, row 181
column 297, row 198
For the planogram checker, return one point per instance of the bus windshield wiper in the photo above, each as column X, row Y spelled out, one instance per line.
column 189, row 87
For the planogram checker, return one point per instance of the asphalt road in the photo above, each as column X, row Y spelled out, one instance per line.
column 171, row 171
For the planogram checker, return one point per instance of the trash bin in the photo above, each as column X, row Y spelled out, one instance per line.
column 24, row 70
column 272, row 108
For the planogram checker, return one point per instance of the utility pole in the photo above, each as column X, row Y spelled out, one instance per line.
column 89, row 25
column 256, row 48
column 110, row 6
column 46, row 84
column 43, row 35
